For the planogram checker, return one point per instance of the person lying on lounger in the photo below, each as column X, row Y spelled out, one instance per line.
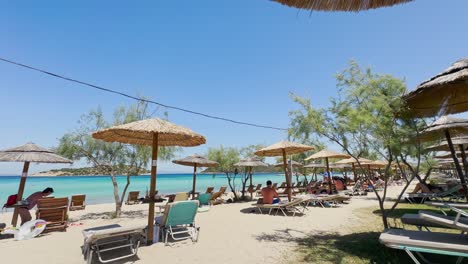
column 270, row 196
column 425, row 188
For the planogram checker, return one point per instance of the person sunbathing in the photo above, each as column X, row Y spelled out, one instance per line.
column 270, row 196
column 425, row 188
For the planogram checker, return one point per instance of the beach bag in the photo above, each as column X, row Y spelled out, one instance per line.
column 11, row 200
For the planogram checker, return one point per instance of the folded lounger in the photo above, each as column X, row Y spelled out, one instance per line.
column 426, row 242
column 460, row 221
column 293, row 206
column 421, row 221
column 77, row 202
column 455, row 205
column 111, row 239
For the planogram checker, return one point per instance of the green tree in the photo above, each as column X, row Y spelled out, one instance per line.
column 110, row 158
column 226, row 158
column 363, row 120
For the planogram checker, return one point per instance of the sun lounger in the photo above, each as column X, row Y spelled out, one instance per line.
column 54, row 212
column 293, row 206
column 460, row 221
column 426, row 242
column 463, row 206
column 450, row 195
column 132, row 197
column 209, row 190
column 77, row 202
column 216, row 197
column 422, row 223
column 178, row 219
column 108, row 240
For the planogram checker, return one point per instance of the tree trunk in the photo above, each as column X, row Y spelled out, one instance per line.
column 118, row 205
column 231, row 185
column 125, row 190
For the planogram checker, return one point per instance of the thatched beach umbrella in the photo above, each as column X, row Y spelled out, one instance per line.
column 447, row 155
column 195, row 161
column 284, row 148
column 28, row 153
column 327, row 154
column 151, row 132
column 353, row 161
column 443, row 145
column 446, row 127
column 443, row 94
column 340, row 5
column 249, row 163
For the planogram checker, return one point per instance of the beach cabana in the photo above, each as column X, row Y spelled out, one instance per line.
column 327, row 154
column 443, row 94
column 341, row 5
column 28, row 153
column 195, row 161
column 249, row 163
column 151, row 132
column 284, row 148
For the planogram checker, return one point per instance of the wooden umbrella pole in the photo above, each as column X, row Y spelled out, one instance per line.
column 463, row 156
column 457, row 165
column 194, row 181
column 251, row 186
column 354, row 173
column 19, row 197
column 288, row 182
column 154, row 167
column 329, row 177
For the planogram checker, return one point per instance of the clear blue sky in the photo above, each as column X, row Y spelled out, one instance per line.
column 238, row 59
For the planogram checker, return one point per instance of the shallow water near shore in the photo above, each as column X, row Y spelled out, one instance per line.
column 98, row 189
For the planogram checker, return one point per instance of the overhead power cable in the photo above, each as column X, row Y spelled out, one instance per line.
column 139, row 99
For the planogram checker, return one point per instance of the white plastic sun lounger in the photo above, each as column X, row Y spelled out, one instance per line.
column 111, row 238
column 425, row 220
column 426, row 242
column 460, row 221
column 292, row 206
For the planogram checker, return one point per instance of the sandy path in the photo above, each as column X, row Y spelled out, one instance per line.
column 229, row 234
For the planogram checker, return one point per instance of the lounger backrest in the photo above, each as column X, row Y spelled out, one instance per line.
column 274, row 186
column 133, row 196
column 222, row 190
column 180, row 213
column 209, row 189
column 181, row 196
column 259, row 187
column 52, row 210
column 78, row 199
column 250, row 189
column 204, row 198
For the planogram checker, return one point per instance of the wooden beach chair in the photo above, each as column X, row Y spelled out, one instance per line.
column 132, row 197
column 54, row 212
column 275, row 186
column 111, row 239
column 426, row 242
column 179, row 219
column 77, row 202
column 209, row 190
column 181, row 196
column 216, row 198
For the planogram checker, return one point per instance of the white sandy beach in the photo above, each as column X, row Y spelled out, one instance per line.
column 229, row 233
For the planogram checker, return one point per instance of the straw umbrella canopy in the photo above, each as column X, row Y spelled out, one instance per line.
column 28, row 153
column 444, row 93
column 341, row 5
column 249, row 163
column 151, row 132
column 353, row 161
column 195, row 161
column 443, row 145
column 284, row 148
column 448, row 127
column 327, row 154
column 447, row 155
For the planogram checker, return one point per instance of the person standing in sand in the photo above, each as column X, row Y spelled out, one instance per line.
column 270, row 196
column 31, row 202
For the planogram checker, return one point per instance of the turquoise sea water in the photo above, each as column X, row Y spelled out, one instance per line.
column 98, row 189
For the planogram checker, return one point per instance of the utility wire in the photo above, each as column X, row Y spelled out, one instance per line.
column 139, row 99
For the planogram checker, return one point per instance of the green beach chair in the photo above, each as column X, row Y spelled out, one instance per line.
column 179, row 219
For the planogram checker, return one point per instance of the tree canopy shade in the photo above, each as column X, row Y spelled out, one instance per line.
column 446, row 93
column 340, row 5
